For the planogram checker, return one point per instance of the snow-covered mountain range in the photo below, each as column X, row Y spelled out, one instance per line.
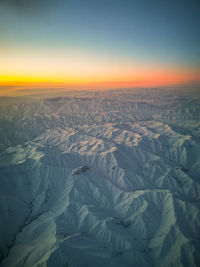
column 100, row 179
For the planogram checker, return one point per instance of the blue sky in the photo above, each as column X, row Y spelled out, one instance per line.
column 157, row 32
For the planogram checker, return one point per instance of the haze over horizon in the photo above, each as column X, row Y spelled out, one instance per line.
column 99, row 44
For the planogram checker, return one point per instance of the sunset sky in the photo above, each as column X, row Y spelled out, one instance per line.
column 108, row 43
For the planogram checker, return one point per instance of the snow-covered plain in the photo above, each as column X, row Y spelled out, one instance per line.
column 108, row 178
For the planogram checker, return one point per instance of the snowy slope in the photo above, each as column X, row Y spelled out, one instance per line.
column 109, row 179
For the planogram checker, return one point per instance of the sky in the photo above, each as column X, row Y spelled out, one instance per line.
column 99, row 43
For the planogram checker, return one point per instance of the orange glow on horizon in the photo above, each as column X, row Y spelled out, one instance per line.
column 76, row 69
column 147, row 79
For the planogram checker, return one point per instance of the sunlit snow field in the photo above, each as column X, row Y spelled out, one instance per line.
column 100, row 179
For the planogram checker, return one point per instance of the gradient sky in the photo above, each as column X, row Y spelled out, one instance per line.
column 108, row 42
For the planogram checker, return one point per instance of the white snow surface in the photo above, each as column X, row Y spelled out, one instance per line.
column 104, row 179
